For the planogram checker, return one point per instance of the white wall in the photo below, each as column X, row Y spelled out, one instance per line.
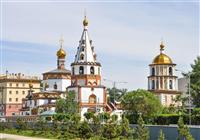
column 62, row 84
column 86, row 92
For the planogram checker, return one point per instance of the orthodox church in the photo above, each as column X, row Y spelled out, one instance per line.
column 86, row 76
column 54, row 86
column 162, row 79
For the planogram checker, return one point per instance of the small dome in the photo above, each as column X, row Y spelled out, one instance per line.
column 61, row 53
column 162, row 59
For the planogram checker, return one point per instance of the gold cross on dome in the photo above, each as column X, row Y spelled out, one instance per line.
column 61, row 41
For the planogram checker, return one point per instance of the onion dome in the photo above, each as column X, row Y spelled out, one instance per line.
column 162, row 58
column 61, row 53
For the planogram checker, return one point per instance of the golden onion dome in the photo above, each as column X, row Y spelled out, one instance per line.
column 162, row 58
column 85, row 22
column 61, row 53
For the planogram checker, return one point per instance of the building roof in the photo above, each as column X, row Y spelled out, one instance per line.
column 85, row 51
column 57, row 71
column 162, row 58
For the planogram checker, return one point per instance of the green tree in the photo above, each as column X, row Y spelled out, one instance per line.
column 115, row 93
column 183, row 131
column 125, row 129
column 105, row 117
column 109, row 131
column 161, row 136
column 21, row 125
column 141, row 132
column 85, row 131
column 141, row 101
column 195, row 81
column 89, row 115
column 68, row 105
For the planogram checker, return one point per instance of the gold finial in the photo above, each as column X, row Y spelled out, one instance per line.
column 61, row 41
column 162, row 46
column 85, row 21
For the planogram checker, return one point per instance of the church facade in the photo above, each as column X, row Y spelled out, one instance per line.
column 86, row 76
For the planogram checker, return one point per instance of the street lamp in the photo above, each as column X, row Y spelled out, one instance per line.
column 114, row 84
column 189, row 86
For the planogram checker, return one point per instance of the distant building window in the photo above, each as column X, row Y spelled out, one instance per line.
column 13, row 114
column 17, row 85
column 9, row 106
column 10, row 84
column 170, row 71
column 10, row 92
column 170, row 84
column 10, row 99
column 81, row 70
column 17, row 92
column 23, row 85
column 16, row 99
column 153, row 71
column 23, row 92
column 92, row 70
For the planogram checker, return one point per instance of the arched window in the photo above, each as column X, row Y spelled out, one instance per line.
column 92, row 99
column 170, row 84
column 82, row 57
column 82, row 49
column 55, row 86
column 153, row 84
column 153, row 71
column 72, row 70
column 92, row 70
column 81, row 70
column 170, row 71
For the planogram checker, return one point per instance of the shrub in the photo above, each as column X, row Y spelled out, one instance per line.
column 85, row 131
column 166, row 119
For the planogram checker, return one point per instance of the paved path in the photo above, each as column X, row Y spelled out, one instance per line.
column 17, row 137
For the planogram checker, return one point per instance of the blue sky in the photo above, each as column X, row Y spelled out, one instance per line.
column 126, row 36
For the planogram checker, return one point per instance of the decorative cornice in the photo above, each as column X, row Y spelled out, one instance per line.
column 86, row 63
column 101, row 86
column 162, row 76
column 162, row 64
column 20, row 80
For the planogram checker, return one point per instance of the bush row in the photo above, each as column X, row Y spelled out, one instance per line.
column 166, row 119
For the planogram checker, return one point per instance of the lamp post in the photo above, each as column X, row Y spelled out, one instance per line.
column 189, row 86
column 114, row 85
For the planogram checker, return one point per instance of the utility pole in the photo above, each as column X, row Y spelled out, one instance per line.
column 114, row 85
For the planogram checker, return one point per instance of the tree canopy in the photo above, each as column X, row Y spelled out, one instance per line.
column 195, row 82
column 141, row 102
